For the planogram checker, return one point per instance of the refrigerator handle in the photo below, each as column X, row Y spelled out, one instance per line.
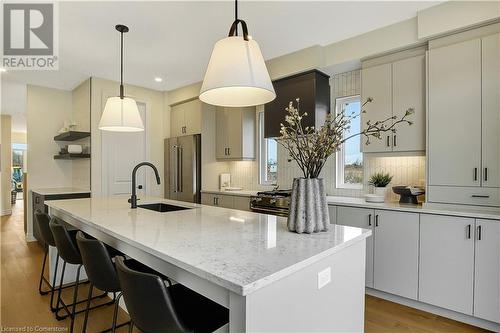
column 174, row 151
column 179, row 168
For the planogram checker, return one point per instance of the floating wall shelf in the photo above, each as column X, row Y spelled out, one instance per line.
column 71, row 156
column 71, row 136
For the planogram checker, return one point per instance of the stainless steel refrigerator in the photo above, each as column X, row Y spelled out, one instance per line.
column 183, row 168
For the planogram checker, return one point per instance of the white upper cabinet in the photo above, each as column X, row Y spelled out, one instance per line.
column 487, row 271
column 185, row 118
column 235, row 137
column 454, row 126
column 396, row 253
column 376, row 83
column 396, row 87
column 360, row 218
column 408, row 91
column 491, row 111
column 446, row 271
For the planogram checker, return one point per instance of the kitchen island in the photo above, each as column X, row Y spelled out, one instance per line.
column 271, row 280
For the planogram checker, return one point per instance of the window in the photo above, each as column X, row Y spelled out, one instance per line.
column 268, row 156
column 350, row 157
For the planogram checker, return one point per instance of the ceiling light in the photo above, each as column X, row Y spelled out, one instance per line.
column 121, row 113
column 158, row 79
column 2, row 69
column 236, row 74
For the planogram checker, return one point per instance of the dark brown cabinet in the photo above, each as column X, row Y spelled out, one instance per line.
column 313, row 89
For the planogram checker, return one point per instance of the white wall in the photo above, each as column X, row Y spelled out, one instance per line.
column 80, row 99
column 5, row 164
column 47, row 109
column 155, row 122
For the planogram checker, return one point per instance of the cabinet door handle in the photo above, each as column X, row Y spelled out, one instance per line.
column 37, row 200
column 229, row 151
column 478, row 232
column 485, row 174
column 475, row 174
column 376, row 220
column 369, row 219
column 394, row 141
column 388, row 143
column 468, row 231
column 480, row 196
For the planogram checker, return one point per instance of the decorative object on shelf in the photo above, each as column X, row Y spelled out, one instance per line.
column 408, row 194
column 310, row 148
column 236, row 75
column 121, row 113
column 75, row 149
column 374, row 198
column 379, row 181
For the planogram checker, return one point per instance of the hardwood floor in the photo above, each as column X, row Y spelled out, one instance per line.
column 22, row 305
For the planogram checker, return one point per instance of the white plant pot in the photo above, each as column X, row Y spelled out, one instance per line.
column 380, row 191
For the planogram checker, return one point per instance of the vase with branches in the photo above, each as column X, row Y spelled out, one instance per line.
column 311, row 147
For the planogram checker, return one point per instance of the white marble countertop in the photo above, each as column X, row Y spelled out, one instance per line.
column 240, row 193
column 60, row 190
column 485, row 213
column 238, row 250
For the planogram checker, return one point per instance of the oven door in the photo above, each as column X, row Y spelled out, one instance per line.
column 268, row 210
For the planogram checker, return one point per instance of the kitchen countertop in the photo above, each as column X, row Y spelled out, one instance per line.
column 426, row 208
column 241, row 193
column 238, row 250
column 60, row 190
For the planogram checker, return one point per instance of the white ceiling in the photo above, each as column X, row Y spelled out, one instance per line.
column 173, row 40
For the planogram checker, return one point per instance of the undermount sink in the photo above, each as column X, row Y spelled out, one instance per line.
column 162, row 207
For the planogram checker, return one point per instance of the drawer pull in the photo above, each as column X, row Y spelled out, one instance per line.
column 480, row 196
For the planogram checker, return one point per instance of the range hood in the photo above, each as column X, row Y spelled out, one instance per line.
column 313, row 89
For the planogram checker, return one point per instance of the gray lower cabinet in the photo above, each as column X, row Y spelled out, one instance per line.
column 361, row 218
column 39, row 205
column 226, row 201
column 446, row 271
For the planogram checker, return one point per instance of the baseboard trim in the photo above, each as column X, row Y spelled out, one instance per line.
column 5, row 212
column 30, row 238
column 489, row 325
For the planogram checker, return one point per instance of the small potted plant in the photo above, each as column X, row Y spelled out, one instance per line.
column 380, row 180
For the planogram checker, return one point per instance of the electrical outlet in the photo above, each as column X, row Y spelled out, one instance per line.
column 324, row 277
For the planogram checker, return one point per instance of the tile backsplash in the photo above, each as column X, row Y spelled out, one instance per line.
column 406, row 170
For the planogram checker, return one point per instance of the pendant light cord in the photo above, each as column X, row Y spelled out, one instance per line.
column 236, row 14
column 121, row 65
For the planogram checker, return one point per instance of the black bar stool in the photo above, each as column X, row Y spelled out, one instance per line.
column 42, row 224
column 101, row 273
column 68, row 251
column 155, row 307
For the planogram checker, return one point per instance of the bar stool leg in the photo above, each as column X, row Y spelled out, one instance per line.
column 75, row 296
column 84, row 329
column 115, row 313
column 42, row 292
column 52, row 307
column 131, row 327
column 59, row 293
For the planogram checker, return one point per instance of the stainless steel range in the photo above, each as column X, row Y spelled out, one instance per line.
column 276, row 202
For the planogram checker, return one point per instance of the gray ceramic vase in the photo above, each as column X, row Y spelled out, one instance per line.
column 308, row 207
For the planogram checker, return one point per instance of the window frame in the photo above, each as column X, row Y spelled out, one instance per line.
column 263, row 154
column 340, row 154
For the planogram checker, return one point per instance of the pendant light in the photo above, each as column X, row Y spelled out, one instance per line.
column 236, row 74
column 121, row 113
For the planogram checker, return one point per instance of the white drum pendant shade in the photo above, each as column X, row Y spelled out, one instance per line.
column 121, row 115
column 237, row 75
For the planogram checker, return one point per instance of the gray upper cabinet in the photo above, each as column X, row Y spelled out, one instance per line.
column 235, row 137
column 185, row 118
column 455, row 114
column 491, row 111
column 395, row 87
column 464, row 122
